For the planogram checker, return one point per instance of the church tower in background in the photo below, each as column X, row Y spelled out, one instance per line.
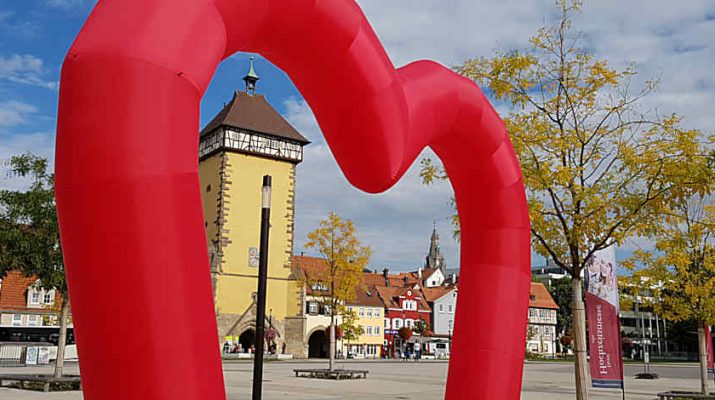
column 246, row 140
column 435, row 258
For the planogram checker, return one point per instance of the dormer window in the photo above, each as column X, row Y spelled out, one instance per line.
column 409, row 305
column 35, row 297
column 319, row 286
column 49, row 297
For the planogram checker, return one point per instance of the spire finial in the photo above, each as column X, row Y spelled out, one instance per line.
column 251, row 78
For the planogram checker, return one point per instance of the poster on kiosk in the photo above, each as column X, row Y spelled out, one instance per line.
column 606, row 363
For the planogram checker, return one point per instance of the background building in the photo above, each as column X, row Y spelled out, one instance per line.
column 244, row 141
column 27, row 312
column 369, row 309
column 541, row 328
column 315, row 310
column 443, row 302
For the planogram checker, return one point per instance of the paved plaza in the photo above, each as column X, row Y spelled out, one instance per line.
column 403, row 380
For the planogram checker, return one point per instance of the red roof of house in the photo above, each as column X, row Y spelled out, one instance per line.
column 540, row 297
column 435, row 293
column 366, row 296
column 310, row 267
column 13, row 290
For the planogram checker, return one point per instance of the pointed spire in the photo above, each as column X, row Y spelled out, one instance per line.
column 251, row 78
column 434, row 258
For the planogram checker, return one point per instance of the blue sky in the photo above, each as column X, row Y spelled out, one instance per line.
column 670, row 40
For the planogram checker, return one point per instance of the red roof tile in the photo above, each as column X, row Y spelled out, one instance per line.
column 540, row 297
column 13, row 292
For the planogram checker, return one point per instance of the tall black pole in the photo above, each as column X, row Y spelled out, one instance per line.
column 261, row 293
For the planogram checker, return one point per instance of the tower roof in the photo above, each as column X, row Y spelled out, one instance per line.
column 252, row 112
column 251, row 72
column 435, row 258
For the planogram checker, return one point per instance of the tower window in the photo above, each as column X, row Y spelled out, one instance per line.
column 208, row 188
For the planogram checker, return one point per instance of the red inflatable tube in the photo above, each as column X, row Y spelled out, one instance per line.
column 129, row 201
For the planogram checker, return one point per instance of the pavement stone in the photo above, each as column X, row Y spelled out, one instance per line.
column 401, row 381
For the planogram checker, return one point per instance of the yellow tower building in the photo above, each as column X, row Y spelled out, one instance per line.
column 246, row 140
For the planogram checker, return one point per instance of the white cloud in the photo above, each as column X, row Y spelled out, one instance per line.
column 667, row 40
column 24, row 69
column 14, row 113
column 396, row 224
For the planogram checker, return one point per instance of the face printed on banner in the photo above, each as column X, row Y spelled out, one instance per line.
column 601, row 279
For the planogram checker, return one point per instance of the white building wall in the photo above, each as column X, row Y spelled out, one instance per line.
column 444, row 313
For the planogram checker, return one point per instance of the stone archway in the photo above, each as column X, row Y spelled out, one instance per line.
column 247, row 339
column 318, row 344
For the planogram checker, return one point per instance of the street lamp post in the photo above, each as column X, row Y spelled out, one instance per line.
column 261, row 292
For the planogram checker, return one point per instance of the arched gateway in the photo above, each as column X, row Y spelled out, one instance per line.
column 318, row 344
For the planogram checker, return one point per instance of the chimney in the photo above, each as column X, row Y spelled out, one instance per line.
column 419, row 273
column 405, row 279
column 386, row 274
column 454, row 279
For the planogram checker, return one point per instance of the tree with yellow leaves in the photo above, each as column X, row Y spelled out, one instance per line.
column 345, row 258
column 681, row 274
column 596, row 164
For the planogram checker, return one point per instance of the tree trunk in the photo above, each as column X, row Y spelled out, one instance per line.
column 62, row 340
column 703, row 356
column 579, row 340
column 331, row 351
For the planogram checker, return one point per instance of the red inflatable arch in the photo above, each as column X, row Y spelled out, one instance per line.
column 129, row 201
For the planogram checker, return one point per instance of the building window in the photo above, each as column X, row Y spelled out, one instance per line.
column 327, row 310
column 32, row 320
column 409, row 323
column 409, row 305
column 312, row 307
column 17, row 320
column 441, row 308
column 532, row 313
column 369, row 330
column 362, row 311
column 319, row 286
column 396, row 323
column 369, row 312
column 377, row 330
column 387, row 323
column 449, row 308
column 49, row 297
column 377, row 312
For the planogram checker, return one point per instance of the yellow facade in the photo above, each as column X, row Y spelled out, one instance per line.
column 231, row 187
column 371, row 318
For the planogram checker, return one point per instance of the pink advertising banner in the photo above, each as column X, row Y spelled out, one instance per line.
column 604, row 332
